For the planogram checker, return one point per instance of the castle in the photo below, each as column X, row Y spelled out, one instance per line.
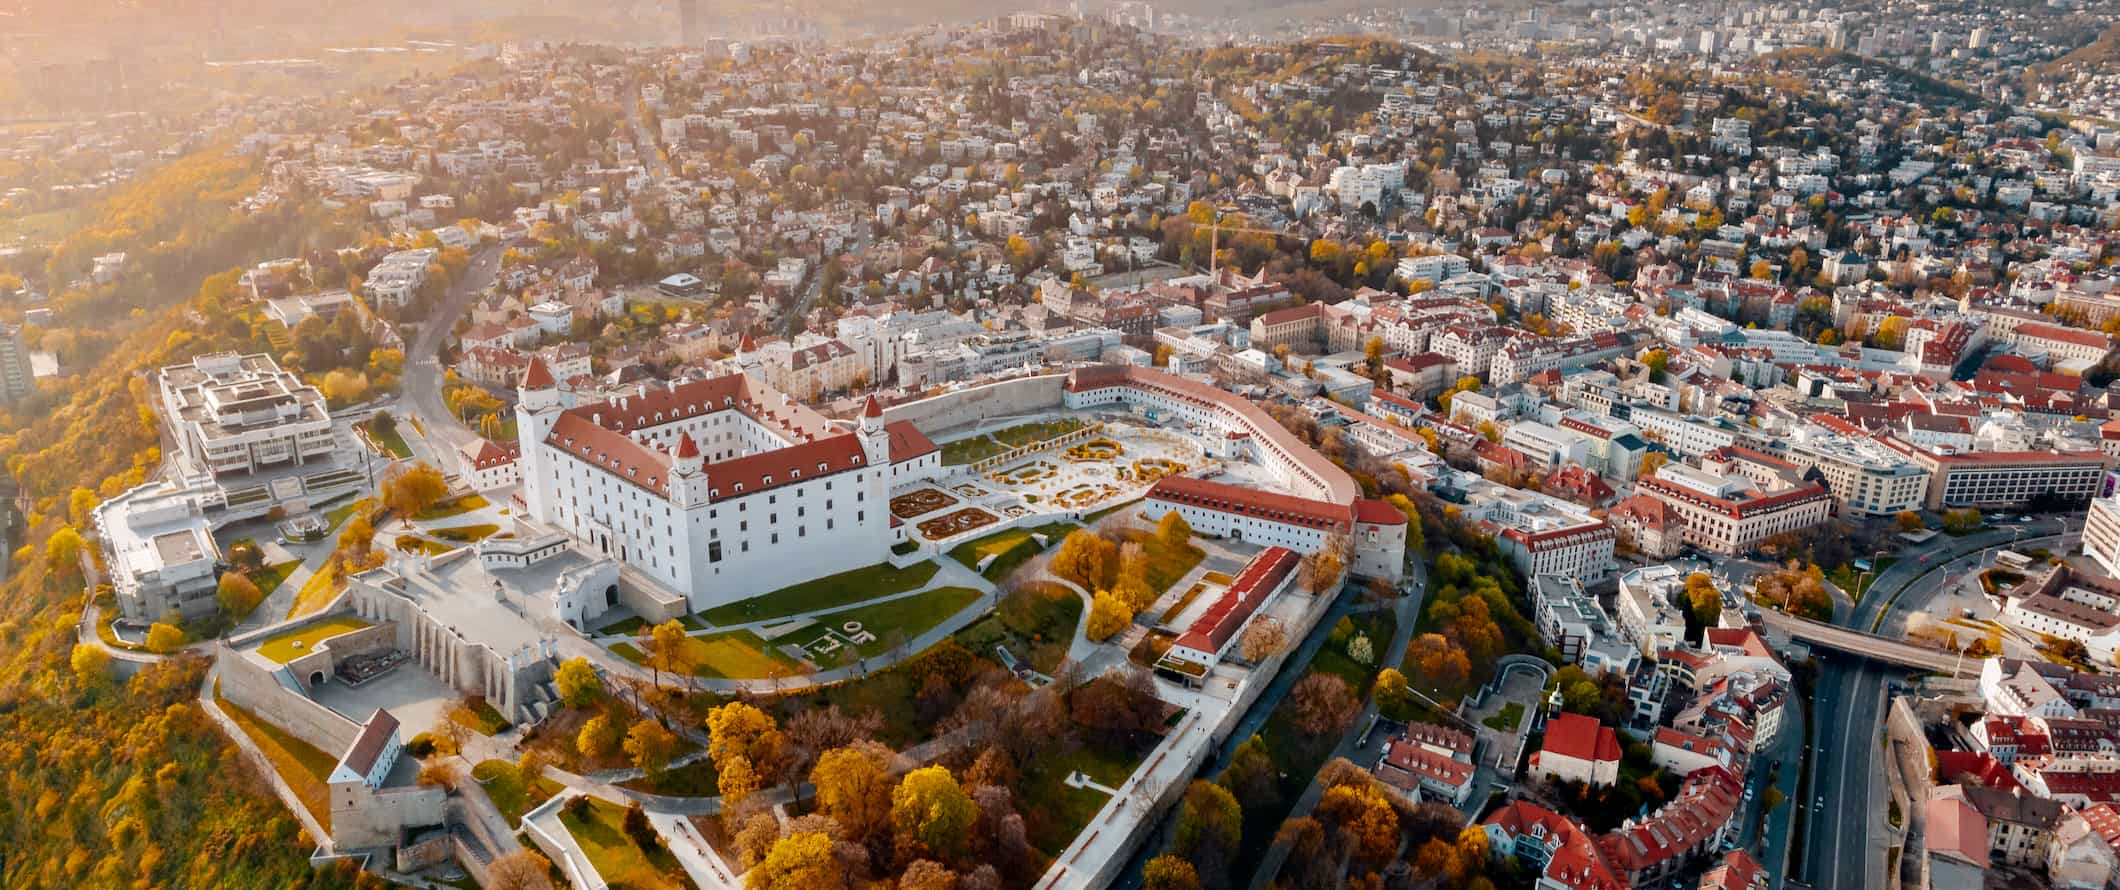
column 719, row 489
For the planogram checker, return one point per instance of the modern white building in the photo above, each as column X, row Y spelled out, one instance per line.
column 160, row 553
column 235, row 414
column 1647, row 610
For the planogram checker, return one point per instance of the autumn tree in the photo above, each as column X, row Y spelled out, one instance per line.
column 1440, row 662
column 650, row 745
column 1394, row 695
column 669, row 645
column 1323, row 704
column 1174, row 532
column 598, row 738
column 797, row 862
column 1264, row 637
column 737, row 781
column 62, row 553
column 1210, row 825
column 163, row 639
column 1108, row 615
column 577, row 682
column 1083, row 558
column 1909, row 521
column 854, row 787
column 414, row 489
column 237, row 595
column 1169, row 872
column 524, row 869
column 1703, row 599
column 737, row 729
column 91, row 665
column 930, row 807
column 1891, row 333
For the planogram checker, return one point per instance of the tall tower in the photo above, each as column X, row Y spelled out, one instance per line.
column 688, row 22
column 537, row 408
column 875, row 442
column 688, row 475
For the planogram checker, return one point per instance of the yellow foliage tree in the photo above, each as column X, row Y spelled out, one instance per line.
column 1108, row 615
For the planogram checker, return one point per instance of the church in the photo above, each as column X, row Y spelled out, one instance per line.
column 719, row 489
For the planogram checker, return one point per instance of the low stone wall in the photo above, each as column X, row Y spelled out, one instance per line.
column 965, row 407
column 248, row 685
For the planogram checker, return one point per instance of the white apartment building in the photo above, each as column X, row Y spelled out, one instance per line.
column 2101, row 534
column 1730, row 514
column 235, row 414
column 1864, row 477
column 1433, row 268
column 1688, row 436
column 1543, row 535
column 1646, row 608
column 2007, row 478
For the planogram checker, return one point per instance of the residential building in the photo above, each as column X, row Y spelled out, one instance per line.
column 235, row 414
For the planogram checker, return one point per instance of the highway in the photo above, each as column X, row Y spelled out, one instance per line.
column 442, row 430
column 1843, row 846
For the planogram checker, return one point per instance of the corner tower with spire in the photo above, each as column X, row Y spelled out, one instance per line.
column 875, row 441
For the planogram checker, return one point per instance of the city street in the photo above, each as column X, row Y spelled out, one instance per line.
column 440, row 428
column 1841, row 838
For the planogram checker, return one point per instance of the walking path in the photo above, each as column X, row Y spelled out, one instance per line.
column 1407, row 610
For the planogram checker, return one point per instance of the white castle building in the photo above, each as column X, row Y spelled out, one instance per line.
column 718, row 489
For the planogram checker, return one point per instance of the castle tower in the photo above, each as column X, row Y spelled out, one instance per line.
column 688, row 473
column 875, row 442
column 537, row 408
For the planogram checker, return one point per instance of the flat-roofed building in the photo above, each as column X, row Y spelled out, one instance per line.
column 160, row 553
column 2007, row 478
column 234, row 414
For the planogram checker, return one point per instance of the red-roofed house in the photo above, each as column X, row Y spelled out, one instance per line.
column 488, row 465
column 1578, row 749
column 1425, row 774
column 1377, row 529
column 1196, row 651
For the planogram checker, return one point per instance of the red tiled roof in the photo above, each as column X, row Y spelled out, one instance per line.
column 1583, row 738
column 1214, row 628
column 1405, row 764
column 1251, row 502
column 537, row 376
column 375, row 735
column 1376, row 512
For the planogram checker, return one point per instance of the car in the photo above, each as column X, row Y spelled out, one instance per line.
column 1821, row 805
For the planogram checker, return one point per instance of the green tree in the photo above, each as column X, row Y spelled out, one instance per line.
column 1210, row 824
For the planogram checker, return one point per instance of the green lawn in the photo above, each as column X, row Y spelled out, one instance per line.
column 270, row 578
column 338, row 515
column 900, row 620
column 1508, row 719
column 828, row 592
column 510, row 793
column 971, row 450
column 695, row 779
column 734, row 655
column 1053, row 812
column 1009, row 548
column 391, row 441
column 286, row 647
column 465, row 534
column 306, row 769
column 456, row 506
column 1036, row 622
column 1027, row 433
column 613, row 854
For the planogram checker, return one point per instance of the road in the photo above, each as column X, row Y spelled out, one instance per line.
column 644, row 142
column 1847, row 711
column 441, row 428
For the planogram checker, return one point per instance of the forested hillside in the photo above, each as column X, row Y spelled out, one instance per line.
column 115, row 783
